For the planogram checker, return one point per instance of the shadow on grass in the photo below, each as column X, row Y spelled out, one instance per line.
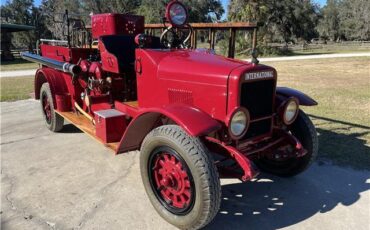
column 273, row 203
column 343, row 143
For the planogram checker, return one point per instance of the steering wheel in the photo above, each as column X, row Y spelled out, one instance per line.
column 174, row 37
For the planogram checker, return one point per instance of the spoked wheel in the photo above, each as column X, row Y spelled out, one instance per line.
column 46, row 107
column 54, row 121
column 180, row 177
column 171, row 180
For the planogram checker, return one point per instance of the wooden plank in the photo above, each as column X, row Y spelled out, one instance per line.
column 195, row 44
column 223, row 25
column 254, row 46
column 134, row 104
column 213, row 39
column 85, row 125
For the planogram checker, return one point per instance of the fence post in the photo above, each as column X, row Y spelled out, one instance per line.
column 254, row 46
column 195, row 38
column 213, row 39
column 210, row 38
column 232, row 43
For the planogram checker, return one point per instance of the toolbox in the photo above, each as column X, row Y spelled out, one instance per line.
column 109, row 125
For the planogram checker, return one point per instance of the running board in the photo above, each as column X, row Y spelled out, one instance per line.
column 86, row 126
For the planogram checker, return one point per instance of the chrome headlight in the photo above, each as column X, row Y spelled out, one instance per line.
column 239, row 123
column 291, row 111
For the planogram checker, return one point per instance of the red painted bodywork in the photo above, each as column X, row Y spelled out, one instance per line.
column 116, row 24
column 65, row 54
column 236, row 79
column 195, row 89
column 184, row 76
column 57, row 82
column 192, row 120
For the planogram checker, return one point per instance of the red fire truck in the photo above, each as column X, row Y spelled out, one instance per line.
column 195, row 116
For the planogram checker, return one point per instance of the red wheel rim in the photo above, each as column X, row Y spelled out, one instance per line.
column 46, row 107
column 171, row 181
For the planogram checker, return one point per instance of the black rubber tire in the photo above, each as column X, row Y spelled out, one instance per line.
column 57, row 121
column 200, row 163
column 304, row 130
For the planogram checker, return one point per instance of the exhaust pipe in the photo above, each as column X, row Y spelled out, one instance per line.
column 62, row 66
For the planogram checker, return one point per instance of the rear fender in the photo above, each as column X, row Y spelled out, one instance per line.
column 302, row 98
column 194, row 121
column 56, row 82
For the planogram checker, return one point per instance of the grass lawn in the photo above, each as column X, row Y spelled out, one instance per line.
column 18, row 64
column 341, row 87
column 329, row 51
column 16, row 88
column 342, row 118
column 326, row 49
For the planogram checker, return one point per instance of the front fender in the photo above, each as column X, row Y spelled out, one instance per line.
column 194, row 121
column 302, row 98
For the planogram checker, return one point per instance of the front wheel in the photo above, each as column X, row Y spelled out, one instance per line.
column 180, row 177
column 305, row 132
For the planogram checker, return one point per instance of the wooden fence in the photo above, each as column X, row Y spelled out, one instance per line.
column 212, row 28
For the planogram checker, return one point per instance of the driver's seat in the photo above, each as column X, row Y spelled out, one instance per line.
column 117, row 52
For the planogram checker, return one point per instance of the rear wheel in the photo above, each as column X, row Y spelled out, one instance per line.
column 305, row 132
column 179, row 177
column 54, row 121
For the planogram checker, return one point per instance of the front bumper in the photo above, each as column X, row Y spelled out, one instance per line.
column 282, row 145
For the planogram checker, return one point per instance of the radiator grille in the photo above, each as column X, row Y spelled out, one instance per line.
column 257, row 97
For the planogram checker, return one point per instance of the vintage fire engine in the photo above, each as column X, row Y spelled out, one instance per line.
column 195, row 116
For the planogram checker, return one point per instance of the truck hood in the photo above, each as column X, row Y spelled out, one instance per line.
column 197, row 66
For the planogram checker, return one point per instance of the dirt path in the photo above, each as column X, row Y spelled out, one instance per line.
column 320, row 56
column 67, row 180
column 18, row 73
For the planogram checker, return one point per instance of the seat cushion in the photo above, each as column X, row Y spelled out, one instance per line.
column 123, row 47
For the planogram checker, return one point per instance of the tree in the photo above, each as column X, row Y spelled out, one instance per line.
column 107, row 6
column 152, row 10
column 328, row 26
column 24, row 12
column 199, row 11
column 53, row 11
column 290, row 19
column 355, row 19
column 345, row 19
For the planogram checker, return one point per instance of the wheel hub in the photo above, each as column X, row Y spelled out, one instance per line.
column 47, row 108
column 168, row 181
column 172, row 182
